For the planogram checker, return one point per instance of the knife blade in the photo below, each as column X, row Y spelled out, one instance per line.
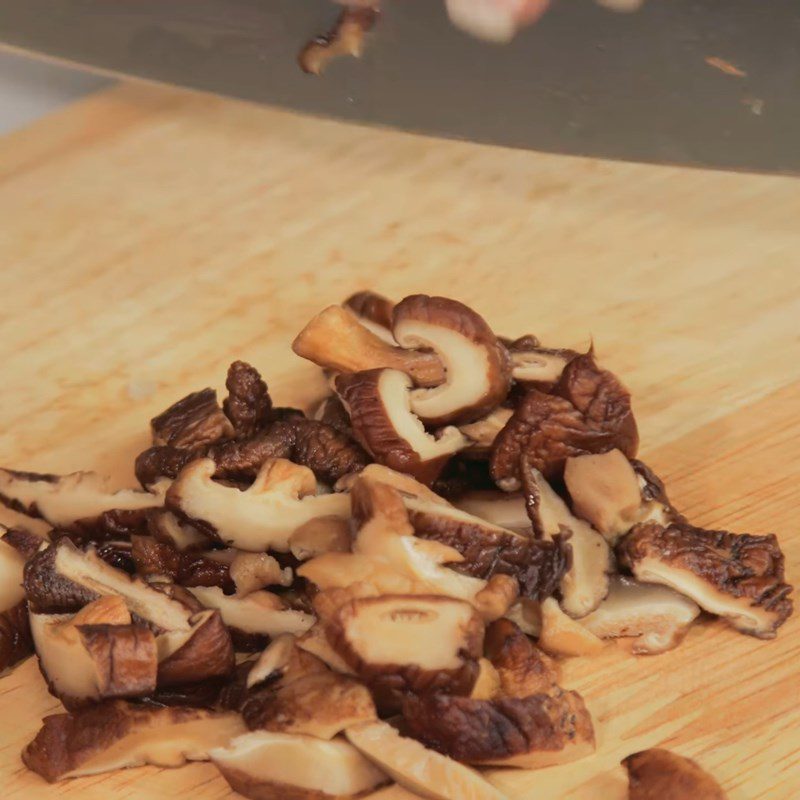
column 712, row 83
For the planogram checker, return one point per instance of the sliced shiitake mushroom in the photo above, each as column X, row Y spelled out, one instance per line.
column 477, row 369
column 662, row 775
column 15, row 637
column 115, row 735
column 315, row 641
column 253, row 571
column 655, row 615
column 194, row 421
column 259, row 612
column 585, row 583
column 264, row 516
column 379, row 404
column 505, row 509
column 739, row 577
column 373, row 311
column 336, row 340
column 528, row 732
column 264, row 765
column 399, row 644
column 418, row 769
column 535, row 366
column 561, row 635
column 483, row 431
column 320, row 535
column 165, row 527
column 67, row 500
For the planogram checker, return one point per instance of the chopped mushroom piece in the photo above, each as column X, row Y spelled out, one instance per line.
column 345, row 38
column 258, row 612
column 736, row 576
column 336, row 340
column 379, row 404
column 65, row 500
column 248, row 405
column 585, row 583
column 84, row 662
column 504, row 509
column 662, row 775
column 477, row 369
column 165, row 527
column 322, row 704
column 656, row 616
column 483, row 431
column 522, row 668
column 265, row 515
column 318, row 536
column 195, row 421
column 535, row 366
column 417, row 768
column 561, row 635
column 277, row 766
column 527, row 732
column 273, row 661
column 253, row 571
column 374, row 312
column 399, row 644
column 15, row 636
column 115, row 735
column 315, row 641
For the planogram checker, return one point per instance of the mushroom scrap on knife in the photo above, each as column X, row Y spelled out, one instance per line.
column 379, row 593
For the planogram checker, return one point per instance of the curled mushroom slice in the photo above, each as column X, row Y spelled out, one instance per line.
column 378, row 402
column 560, row 635
column 115, row 735
column 345, row 38
column 662, row 775
column 165, row 527
column 401, row 643
column 15, row 637
column 259, row 612
column 656, row 616
column 374, row 312
column 90, row 662
column 418, row 769
column 736, row 576
column 527, row 732
column 262, row 517
column 477, row 370
column 64, row 500
column 321, row 704
column 585, row 583
column 194, row 421
column 336, row 340
column 264, row 765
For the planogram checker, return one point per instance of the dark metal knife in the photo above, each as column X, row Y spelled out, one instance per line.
column 703, row 82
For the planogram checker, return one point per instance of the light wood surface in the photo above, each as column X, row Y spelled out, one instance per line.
column 149, row 237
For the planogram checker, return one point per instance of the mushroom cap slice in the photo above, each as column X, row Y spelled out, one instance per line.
column 115, row 735
column 379, row 404
column 93, row 662
column 335, row 339
column 585, row 583
column 536, row 366
column 259, row 612
column 409, row 643
column 522, row 668
column 478, row 371
column 561, row 635
column 193, row 422
column 655, row 615
column 605, row 491
column 737, row 576
column 374, row 312
column 264, row 765
column 417, row 768
column 64, row 500
column 321, row 704
column 662, row 775
column 528, row 732
column 265, row 515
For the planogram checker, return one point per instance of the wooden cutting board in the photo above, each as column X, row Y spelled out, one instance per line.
column 149, row 237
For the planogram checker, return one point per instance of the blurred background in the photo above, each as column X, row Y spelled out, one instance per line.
column 30, row 89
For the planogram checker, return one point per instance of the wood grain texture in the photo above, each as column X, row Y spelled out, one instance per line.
column 149, row 237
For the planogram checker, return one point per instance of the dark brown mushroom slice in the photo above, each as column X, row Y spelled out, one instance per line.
column 248, row 405
column 345, row 38
column 332, row 412
column 193, row 422
column 378, row 402
column 15, row 636
column 462, row 475
column 658, row 774
column 336, row 340
column 156, row 463
column 739, row 577
column 477, row 369
column 265, row 765
column 115, row 735
column 66, row 500
column 26, row 542
column 588, row 411
column 523, row 669
column 537, row 367
column 528, row 732
column 409, row 643
column 264, row 516
column 374, row 311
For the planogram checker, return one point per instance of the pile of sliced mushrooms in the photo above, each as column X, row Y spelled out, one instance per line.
column 379, row 591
